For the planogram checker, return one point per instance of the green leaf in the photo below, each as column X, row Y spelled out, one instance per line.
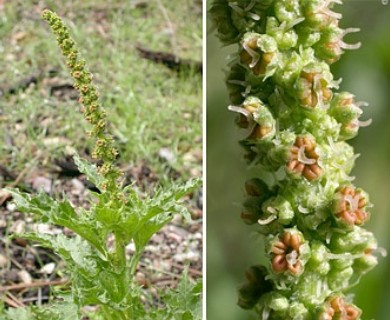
column 89, row 169
column 59, row 310
column 75, row 251
column 109, row 217
column 185, row 301
column 149, row 228
column 144, row 217
column 61, row 213
column 90, row 281
column 18, row 313
column 168, row 200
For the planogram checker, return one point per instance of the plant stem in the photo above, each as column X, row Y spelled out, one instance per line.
column 134, row 261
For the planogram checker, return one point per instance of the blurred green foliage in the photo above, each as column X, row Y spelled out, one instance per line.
column 231, row 245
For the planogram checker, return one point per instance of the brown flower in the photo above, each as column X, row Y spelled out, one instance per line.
column 259, row 132
column 304, row 159
column 349, row 205
column 313, row 89
column 256, row 61
column 340, row 310
column 286, row 254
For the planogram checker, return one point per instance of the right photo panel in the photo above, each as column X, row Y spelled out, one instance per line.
column 298, row 145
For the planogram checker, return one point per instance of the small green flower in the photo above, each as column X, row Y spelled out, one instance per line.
column 259, row 52
column 258, row 117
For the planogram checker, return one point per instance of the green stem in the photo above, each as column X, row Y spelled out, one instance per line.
column 134, row 262
column 120, row 251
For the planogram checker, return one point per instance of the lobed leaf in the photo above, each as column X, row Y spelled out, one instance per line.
column 89, row 169
column 184, row 302
column 61, row 213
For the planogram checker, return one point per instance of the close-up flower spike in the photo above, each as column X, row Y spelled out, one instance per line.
column 281, row 85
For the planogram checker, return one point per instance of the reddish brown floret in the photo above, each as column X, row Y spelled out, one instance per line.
column 287, row 244
column 310, row 171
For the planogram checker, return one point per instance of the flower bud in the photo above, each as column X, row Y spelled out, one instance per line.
column 318, row 258
column 236, row 84
column 313, row 86
column 221, row 15
column 330, row 47
column 287, row 10
column 256, row 187
column 252, row 210
column 318, row 14
column 258, row 114
column 365, row 263
column 312, row 289
column 284, row 38
column 347, row 112
column 251, row 291
column 339, row 279
column 259, row 53
column 298, row 311
column 354, row 242
column 278, row 303
column 278, row 209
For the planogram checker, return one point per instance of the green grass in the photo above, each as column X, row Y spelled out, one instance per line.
column 149, row 106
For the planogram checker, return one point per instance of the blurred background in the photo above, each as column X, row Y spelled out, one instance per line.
column 232, row 246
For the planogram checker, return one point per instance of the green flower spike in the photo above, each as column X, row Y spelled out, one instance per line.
column 104, row 147
column 284, row 92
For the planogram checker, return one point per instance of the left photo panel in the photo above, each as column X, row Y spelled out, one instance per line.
column 101, row 203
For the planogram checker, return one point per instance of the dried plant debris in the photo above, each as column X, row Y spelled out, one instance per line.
column 170, row 60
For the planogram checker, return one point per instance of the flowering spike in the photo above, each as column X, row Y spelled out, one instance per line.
column 104, row 147
column 281, row 86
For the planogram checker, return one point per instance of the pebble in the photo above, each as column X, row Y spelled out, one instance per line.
column 180, row 232
column 187, row 256
column 48, row 268
column 41, row 183
column 3, row 261
column 175, row 237
column 25, row 277
column 3, row 223
column 130, row 248
column 166, row 154
column 17, row 227
column 189, row 157
column 157, row 238
column 141, row 279
column 78, row 186
column 11, row 207
column 11, row 276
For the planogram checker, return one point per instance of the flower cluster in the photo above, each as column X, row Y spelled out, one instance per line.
column 284, row 92
column 89, row 98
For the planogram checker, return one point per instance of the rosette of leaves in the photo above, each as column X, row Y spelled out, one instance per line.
column 312, row 215
column 100, row 273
